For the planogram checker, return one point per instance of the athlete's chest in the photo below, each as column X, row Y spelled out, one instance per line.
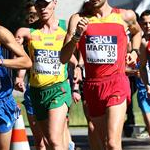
column 53, row 41
column 110, row 25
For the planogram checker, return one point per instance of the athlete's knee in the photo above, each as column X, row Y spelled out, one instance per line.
column 55, row 140
column 113, row 144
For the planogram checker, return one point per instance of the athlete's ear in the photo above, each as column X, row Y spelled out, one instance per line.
column 55, row 2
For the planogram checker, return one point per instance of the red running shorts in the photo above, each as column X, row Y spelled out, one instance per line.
column 105, row 92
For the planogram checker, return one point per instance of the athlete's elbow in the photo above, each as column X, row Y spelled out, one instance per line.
column 27, row 63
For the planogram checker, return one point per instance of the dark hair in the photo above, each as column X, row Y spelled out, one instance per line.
column 85, row 9
column 144, row 13
column 29, row 4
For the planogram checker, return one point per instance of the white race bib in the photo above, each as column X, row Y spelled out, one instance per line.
column 101, row 49
column 47, row 62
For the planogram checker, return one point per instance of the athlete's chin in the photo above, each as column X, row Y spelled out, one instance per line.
column 97, row 4
column 45, row 18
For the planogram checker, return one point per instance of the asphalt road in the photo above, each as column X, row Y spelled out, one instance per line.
column 79, row 136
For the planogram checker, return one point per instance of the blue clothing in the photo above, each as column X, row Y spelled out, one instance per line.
column 143, row 101
column 6, row 86
column 9, row 110
column 27, row 101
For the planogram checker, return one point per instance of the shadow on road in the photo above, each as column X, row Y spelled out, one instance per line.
column 81, row 142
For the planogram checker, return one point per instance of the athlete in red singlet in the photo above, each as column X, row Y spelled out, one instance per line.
column 102, row 40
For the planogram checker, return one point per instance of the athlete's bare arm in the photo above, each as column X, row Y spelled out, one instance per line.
column 134, row 28
column 21, row 35
column 131, row 23
column 69, row 45
column 19, row 81
column 22, row 60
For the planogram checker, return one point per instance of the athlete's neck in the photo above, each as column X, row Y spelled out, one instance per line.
column 50, row 26
column 103, row 11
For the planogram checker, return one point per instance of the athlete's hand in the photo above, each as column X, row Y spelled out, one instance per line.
column 19, row 84
column 131, row 59
column 77, row 75
column 76, row 97
column 82, row 25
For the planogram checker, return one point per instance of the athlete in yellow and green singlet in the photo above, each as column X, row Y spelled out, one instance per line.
column 49, row 89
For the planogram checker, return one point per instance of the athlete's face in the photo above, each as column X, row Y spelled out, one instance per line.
column 97, row 3
column 45, row 9
column 31, row 15
column 145, row 24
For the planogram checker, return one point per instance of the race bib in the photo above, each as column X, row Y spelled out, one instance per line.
column 101, row 49
column 47, row 62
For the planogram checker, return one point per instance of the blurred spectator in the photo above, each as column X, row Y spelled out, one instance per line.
column 143, row 91
column 31, row 13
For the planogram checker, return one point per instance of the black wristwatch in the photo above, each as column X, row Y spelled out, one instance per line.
column 76, row 90
column 79, row 66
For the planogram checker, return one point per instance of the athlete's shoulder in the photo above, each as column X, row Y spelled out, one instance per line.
column 74, row 19
column 128, row 14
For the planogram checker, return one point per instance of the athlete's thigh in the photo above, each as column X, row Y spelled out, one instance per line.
column 57, row 118
column 55, row 123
